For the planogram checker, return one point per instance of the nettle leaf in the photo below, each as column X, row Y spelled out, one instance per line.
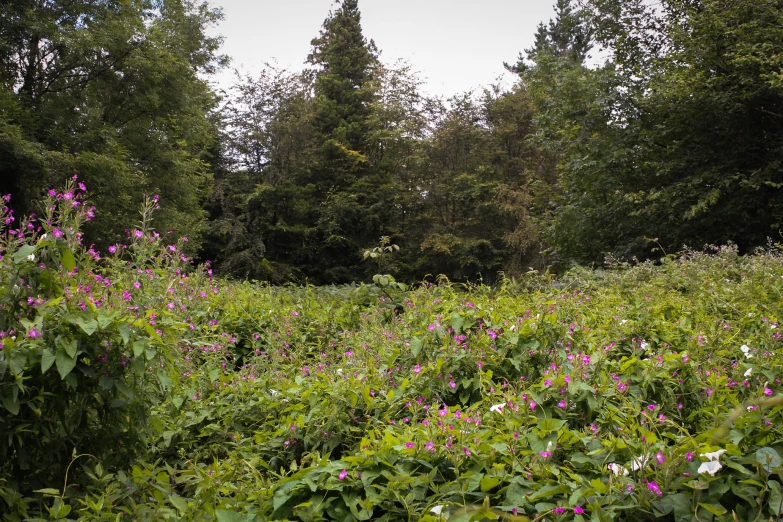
column 65, row 363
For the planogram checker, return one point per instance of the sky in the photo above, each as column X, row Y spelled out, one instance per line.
column 455, row 45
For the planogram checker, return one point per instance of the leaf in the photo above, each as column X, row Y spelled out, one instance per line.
column 124, row 389
column 48, row 491
column 11, row 405
column 17, row 361
column 88, row 325
column 178, row 502
column 124, row 329
column 23, row 253
column 775, row 498
column 456, row 322
column 550, row 425
column 47, row 359
column 232, row 516
column 487, row 483
column 138, row 347
column 70, row 347
column 416, row 345
column 65, row 363
column 715, row 509
column 768, row 458
column 67, row 259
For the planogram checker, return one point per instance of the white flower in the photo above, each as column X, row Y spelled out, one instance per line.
column 714, row 456
column 274, row 393
column 31, row 257
column 643, row 345
column 746, row 350
column 639, row 463
column 617, row 469
column 498, row 407
column 43, row 236
column 748, row 372
column 624, row 321
column 549, row 446
column 437, row 510
column 711, row 467
column 340, row 371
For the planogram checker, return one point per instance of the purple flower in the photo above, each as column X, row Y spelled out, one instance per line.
column 653, row 486
column 452, row 384
column 430, row 446
column 409, row 445
column 558, row 510
column 767, row 391
column 561, row 404
column 689, row 456
column 57, row 233
column 578, row 510
column 652, row 407
column 342, row 475
column 466, row 451
column 32, row 334
column 660, row 458
column 113, row 249
column 138, row 233
column 545, row 454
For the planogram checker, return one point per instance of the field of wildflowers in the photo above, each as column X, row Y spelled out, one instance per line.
column 136, row 386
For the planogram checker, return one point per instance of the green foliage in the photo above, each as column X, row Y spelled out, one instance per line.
column 601, row 394
column 110, row 91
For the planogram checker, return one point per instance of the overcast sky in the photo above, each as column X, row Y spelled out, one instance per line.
column 456, row 45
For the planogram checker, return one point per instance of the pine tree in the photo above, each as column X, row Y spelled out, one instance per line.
column 569, row 35
column 345, row 61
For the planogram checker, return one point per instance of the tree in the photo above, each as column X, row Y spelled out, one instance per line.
column 111, row 92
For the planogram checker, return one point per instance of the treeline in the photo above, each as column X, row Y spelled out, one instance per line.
column 634, row 129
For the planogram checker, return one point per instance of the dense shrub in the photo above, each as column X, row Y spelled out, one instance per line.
column 632, row 393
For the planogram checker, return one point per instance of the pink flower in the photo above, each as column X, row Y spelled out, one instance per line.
column 342, row 475
column 767, row 391
column 689, row 456
column 138, row 233
column 452, row 384
column 430, row 446
column 409, row 445
column 561, row 404
column 113, row 249
column 57, row 233
column 533, row 405
column 32, row 334
column 578, row 510
column 660, row 458
column 467, row 452
column 653, row 486
column 558, row 510
column 652, row 407
column 545, row 454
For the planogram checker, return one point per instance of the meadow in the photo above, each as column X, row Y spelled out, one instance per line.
column 135, row 385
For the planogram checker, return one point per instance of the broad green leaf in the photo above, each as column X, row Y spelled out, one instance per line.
column 138, row 347
column 11, row 404
column 17, row 361
column 47, row 359
column 768, row 458
column 65, row 363
column 23, row 253
column 488, row 483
